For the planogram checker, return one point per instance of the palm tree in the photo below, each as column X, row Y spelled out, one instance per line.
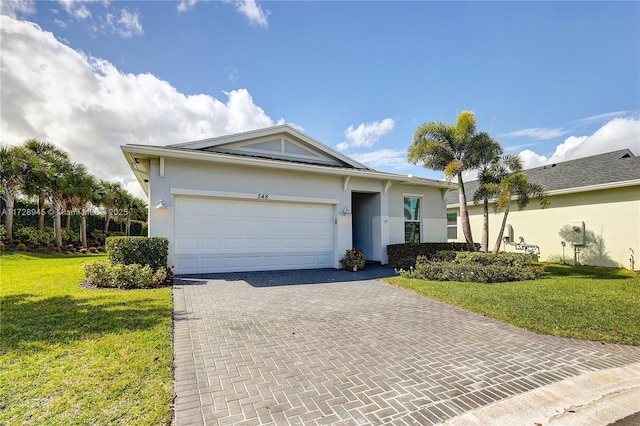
column 514, row 183
column 453, row 149
column 113, row 195
column 80, row 190
column 136, row 209
column 60, row 171
column 36, row 177
column 12, row 163
column 489, row 175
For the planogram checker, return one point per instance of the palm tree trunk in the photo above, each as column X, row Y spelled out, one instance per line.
column 496, row 247
column 83, row 228
column 57, row 223
column 464, row 215
column 8, row 220
column 41, row 210
column 107, row 217
column 485, row 225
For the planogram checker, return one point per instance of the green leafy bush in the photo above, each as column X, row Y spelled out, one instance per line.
column 3, row 232
column 134, row 276
column 403, row 256
column 2, row 247
column 98, row 235
column 353, row 260
column 476, row 267
column 517, row 260
column 152, row 251
column 34, row 235
column 69, row 235
column 21, row 247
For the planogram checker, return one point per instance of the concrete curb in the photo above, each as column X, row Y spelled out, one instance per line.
column 596, row 398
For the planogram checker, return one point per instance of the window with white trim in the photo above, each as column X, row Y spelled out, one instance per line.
column 411, row 219
column 452, row 226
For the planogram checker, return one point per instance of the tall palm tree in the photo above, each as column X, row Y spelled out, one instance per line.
column 452, row 149
column 514, row 183
column 60, row 171
column 136, row 209
column 489, row 175
column 12, row 164
column 80, row 190
column 36, row 177
column 113, row 195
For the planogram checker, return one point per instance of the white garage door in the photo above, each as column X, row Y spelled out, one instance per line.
column 228, row 235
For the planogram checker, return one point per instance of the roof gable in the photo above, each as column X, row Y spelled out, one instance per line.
column 275, row 143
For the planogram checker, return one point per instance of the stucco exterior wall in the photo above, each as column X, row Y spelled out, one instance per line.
column 204, row 176
column 611, row 218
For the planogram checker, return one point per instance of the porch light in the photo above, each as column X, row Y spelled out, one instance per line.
column 346, row 212
column 161, row 205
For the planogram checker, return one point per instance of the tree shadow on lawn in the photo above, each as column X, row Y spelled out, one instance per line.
column 587, row 272
column 29, row 323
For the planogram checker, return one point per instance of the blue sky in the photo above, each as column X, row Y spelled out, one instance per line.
column 551, row 80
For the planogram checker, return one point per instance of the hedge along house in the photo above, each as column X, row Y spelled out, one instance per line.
column 274, row 199
column 595, row 211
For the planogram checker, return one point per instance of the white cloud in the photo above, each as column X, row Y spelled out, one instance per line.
column 88, row 107
column 185, row 5
column 252, row 11
column 606, row 116
column 76, row 8
column 16, row 8
column 384, row 159
column 366, row 134
column 537, row 133
column 127, row 25
column 619, row 133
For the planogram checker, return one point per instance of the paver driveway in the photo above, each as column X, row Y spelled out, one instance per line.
column 332, row 347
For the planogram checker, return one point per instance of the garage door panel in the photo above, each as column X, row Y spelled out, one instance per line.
column 219, row 235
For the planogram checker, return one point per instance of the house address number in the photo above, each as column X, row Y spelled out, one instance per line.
column 263, row 196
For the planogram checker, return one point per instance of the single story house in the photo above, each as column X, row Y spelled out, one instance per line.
column 275, row 198
column 594, row 216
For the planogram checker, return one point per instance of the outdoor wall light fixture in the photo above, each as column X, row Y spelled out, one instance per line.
column 346, row 212
column 161, row 205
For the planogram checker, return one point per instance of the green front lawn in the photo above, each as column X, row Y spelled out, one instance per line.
column 70, row 355
column 600, row 304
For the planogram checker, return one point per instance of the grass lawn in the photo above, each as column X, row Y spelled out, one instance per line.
column 600, row 304
column 70, row 355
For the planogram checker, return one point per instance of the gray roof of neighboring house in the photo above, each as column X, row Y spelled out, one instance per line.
column 616, row 166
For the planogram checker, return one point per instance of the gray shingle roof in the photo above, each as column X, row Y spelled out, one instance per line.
column 616, row 166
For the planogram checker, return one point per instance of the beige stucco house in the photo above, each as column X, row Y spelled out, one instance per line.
column 276, row 198
column 595, row 211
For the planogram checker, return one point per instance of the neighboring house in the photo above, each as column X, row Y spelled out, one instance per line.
column 595, row 207
column 274, row 199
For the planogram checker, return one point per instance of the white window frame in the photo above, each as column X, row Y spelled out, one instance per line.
column 420, row 198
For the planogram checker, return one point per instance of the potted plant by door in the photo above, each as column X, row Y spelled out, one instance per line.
column 353, row 260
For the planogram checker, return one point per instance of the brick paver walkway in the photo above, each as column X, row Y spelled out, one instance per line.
column 262, row 348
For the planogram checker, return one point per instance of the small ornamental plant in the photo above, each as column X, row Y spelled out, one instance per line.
column 353, row 260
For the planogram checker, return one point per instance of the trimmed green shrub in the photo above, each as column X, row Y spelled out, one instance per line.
column 98, row 273
column 133, row 276
column 70, row 236
column 21, row 247
column 3, row 232
column 476, row 267
column 33, row 235
column 403, row 256
column 152, row 251
column 2, row 247
column 517, row 260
